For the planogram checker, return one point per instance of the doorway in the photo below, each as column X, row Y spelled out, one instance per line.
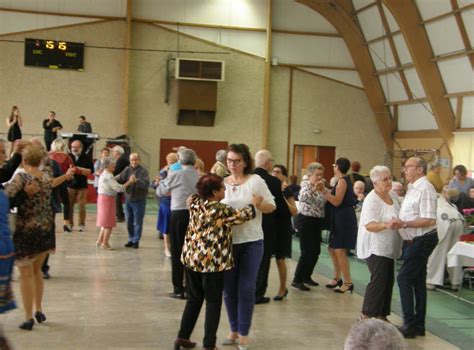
column 305, row 154
column 205, row 150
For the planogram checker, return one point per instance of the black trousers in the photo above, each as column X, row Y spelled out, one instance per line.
column 264, row 269
column 63, row 193
column 178, row 226
column 378, row 294
column 119, row 207
column 412, row 278
column 310, row 245
column 202, row 286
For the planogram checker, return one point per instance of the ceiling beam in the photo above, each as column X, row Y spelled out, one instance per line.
column 462, row 30
column 408, row 17
column 447, row 14
column 459, row 94
column 383, row 37
column 394, row 50
column 417, row 134
column 62, row 14
column 395, row 69
column 316, row 66
column 407, row 102
column 340, row 14
column 452, row 55
column 366, row 7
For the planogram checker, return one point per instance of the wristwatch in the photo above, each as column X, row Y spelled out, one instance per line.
column 405, row 225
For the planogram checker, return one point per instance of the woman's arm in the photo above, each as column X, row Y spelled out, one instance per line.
column 377, row 226
column 291, row 205
column 10, row 123
column 336, row 199
column 20, row 121
column 14, row 186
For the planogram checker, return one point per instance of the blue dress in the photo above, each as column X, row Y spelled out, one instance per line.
column 7, row 256
column 164, row 211
column 343, row 220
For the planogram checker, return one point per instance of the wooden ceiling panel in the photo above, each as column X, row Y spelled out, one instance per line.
column 432, row 8
column 392, row 22
column 454, row 74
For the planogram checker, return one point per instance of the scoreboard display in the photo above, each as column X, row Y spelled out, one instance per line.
column 54, row 54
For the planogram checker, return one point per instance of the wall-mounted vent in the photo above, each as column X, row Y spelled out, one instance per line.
column 194, row 69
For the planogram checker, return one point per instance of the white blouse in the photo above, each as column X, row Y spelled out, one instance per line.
column 385, row 243
column 108, row 185
column 240, row 196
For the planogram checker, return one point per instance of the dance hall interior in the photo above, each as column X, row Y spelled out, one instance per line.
column 237, row 174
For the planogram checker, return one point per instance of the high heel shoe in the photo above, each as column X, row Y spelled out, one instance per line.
column 66, row 228
column 334, row 283
column 280, row 298
column 350, row 288
column 185, row 343
column 28, row 325
column 40, row 317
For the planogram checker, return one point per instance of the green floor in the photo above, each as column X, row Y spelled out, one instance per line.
column 447, row 317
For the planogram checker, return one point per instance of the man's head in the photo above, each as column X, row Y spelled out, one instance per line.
column 397, row 187
column 187, row 157
column 82, row 119
column 355, row 166
column 359, row 188
column 221, row 155
column 134, row 160
column 51, row 115
column 76, row 148
column 435, row 167
column 117, row 152
column 414, row 168
column 263, row 159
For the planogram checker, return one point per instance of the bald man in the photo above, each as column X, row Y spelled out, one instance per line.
column 77, row 188
column 135, row 198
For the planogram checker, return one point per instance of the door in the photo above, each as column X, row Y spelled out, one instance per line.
column 305, row 154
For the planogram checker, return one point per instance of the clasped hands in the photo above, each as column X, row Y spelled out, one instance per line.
column 394, row 224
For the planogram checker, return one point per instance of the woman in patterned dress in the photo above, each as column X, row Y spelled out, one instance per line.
column 33, row 238
column 207, row 253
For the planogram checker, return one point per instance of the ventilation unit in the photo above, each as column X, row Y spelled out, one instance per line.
column 195, row 69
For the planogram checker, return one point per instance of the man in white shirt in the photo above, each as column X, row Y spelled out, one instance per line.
column 417, row 224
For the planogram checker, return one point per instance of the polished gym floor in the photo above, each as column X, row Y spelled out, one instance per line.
column 118, row 299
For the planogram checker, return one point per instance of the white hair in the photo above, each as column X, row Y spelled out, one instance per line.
column 106, row 162
column 374, row 334
column 261, row 157
column 358, row 182
column 377, row 171
column 118, row 149
column 59, row 145
column 221, row 155
column 312, row 167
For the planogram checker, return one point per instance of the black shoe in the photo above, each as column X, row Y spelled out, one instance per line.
column 262, row 300
column 40, row 317
column 66, row 228
column 46, row 275
column 420, row 331
column 135, row 245
column 300, row 286
column 334, row 283
column 407, row 332
column 280, row 298
column 310, row 282
column 129, row 245
column 175, row 295
column 184, row 343
column 28, row 325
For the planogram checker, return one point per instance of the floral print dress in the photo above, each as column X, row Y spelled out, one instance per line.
column 34, row 221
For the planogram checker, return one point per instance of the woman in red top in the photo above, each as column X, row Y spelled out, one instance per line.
column 59, row 153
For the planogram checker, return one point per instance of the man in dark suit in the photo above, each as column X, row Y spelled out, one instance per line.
column 121, row 162
column 263, row 165
column 86, row 128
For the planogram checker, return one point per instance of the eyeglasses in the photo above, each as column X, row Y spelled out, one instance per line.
column 276, row 171
column 234, row 161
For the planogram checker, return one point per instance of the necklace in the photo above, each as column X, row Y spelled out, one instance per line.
column 234, row 183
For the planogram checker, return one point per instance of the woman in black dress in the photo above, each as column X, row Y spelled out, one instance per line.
column 14, row 124
column 343, row 225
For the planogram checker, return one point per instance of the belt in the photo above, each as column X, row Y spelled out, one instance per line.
column 432, row 232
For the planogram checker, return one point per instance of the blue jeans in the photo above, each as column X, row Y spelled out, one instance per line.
column 134, row 213
column 239, row 285
column 412, row 278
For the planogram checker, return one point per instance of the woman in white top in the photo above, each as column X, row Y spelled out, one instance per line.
column 107, row 190
column 379, row 243
column 247, row 245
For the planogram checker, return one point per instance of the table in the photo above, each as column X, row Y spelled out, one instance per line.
column 461, row 254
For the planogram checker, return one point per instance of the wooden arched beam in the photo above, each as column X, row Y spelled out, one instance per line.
column 338, row 13
column 408, row 17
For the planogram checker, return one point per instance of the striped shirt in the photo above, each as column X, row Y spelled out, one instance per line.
column 420, row 202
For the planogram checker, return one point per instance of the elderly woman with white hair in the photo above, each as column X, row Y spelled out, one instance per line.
column 378, row 243
column 107, row 190
column 374, row 335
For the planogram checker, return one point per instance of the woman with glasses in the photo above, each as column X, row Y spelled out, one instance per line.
column 310, row 223
column 247, row 245
column 379, row 243
column 343, row 225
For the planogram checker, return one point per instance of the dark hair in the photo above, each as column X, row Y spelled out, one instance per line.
column 461, row 168
column 10, row 118
column 355, row 166
column 243, row 150
column 52, row 112
column 207, row 184
column 82, row 117
column 343, row 164
column 284, row 172
column 293, row 179
column 105, row 149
